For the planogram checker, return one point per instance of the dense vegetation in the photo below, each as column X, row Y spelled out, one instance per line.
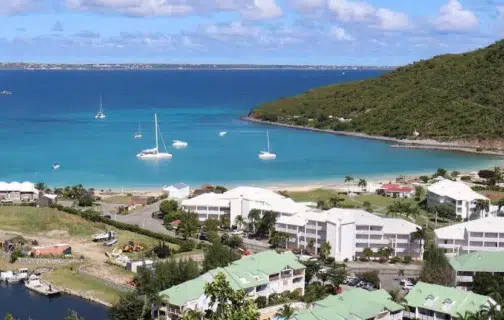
column 448, row 97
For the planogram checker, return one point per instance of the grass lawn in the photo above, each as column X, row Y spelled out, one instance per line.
column 64, row 277
column 117, row 199
column 312, row 195
column 31, row 220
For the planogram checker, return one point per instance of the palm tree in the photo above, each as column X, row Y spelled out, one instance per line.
column 41, row 186
column 395, row 295
column 193, row 315
column 498, row 174
column 363, row 184
column 367, row 206
column 500, row 203
column 482, row 206
column 335, row 201
column 348, row 179
column 420, row 234
column 286, row 312
column 239, row 221
column 412, row 211
column 419, row 192
column 368, row 253
column 311, row 244
column 325, row 250
column 321, row 204
column 254, row 216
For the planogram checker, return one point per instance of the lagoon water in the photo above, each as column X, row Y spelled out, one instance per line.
column 24, row 304
column 50, row 118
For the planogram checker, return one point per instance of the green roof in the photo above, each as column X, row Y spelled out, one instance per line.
column 480, row 261
column 248, row 272
column 446, row 300
column 352, row 304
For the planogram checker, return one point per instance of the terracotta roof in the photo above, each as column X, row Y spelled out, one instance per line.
column 395, row 188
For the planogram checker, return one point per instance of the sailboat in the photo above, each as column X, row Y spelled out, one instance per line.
column 154, row 152
column 267, row 155
column 100, row 115
column 179, row 144
column 138, row 134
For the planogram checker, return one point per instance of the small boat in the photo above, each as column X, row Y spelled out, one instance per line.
column 179, row 144
column 267, row 155
column 110, row 242
column 152, row 154
column 105, row 236
column 222, row 133
column 138, row 134
column 5, row 275
column 100, row 115
column 56, row 166
column 35, row 284
column 5, row 93
column 18, row 276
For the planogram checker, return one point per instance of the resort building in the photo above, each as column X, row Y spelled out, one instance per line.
column 177, row 191
column 430, row 302
column 349, row 232
column 257, row 275
column 16, row 191
column 357, row 304
column 456, row 194
column 239, row 201
column 486, row 234
column 396, row 191
column 466, row 266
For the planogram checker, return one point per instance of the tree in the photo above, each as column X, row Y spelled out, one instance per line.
column 363, row 184
column 9, row 316
column 312, row 268
column 218, row 255
column 311, row 244
column 424, row 179
column 171, row 216
column 348, row 179
column 395, row 295
column 236, row 241
column 225, row 223
column 189, row 224
column 371, row 277
column 228, row 304
column 86, row 200
column 482, row 206
column 325, row 250
column 161, row 250
column 239, row 222
column 454, row 174
column 128, row 307
column 279, row 239
column 261, row 302
column 436, row 269
column 498, row 175
column 220, row 189
column 335, row 202
column 314, row 292
column 73, row 315
column 413, row 211
column 337, row 274
column 420, row 235
column 444, row 211
column 167, row 206
column 367, row 206
column 486, row 174
column 489, row 285
column 267, row 224
column 41, row 186
column 440, row 172
column 367, row 253
column 254, row 218
column 211, row 225
column 321, row 204
column 190, row 314
column 286, row 312
column 419, row 193
column 385, row 252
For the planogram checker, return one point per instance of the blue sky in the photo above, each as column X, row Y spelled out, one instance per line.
column 333, row 32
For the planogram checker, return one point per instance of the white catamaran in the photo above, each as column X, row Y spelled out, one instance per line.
column 138, row 134
column 100, row 115
column 154, row 152
column 267, row 155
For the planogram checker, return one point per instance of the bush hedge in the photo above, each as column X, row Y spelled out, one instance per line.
column 93, row 216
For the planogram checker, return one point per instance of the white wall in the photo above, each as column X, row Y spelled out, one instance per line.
column 347, row 241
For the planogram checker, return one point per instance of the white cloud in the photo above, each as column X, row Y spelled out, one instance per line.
column 390, row 20
column 236, row 28
column 10, row 7
column 308, row 4
column 500, row 9
column 340, row 34
column 252, row 9
column 454, row 18
column 346, row 10
column 57, row 27
column 134, row 7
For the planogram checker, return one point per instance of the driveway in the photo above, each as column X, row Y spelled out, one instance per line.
column 143, row 218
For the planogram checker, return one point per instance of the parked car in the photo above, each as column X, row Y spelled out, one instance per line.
column 157, row 215
column 107, row 216
column 408, row 286
column 368, row 286
column 237, row 232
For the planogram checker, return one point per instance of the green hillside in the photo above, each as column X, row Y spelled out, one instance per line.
column 448, row 97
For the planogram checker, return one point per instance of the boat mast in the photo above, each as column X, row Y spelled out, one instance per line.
column 267, row 138
column 155, row 124
column 101, row 104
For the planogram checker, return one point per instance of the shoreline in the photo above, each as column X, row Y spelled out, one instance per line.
column 426, row 144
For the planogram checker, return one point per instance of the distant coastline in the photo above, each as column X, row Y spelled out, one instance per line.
column 399, row 143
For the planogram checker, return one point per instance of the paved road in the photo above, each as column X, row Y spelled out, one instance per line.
column 143, row 218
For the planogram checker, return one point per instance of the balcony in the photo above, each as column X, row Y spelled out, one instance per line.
column 299, row 272
column 370, row 232
column 274, row 277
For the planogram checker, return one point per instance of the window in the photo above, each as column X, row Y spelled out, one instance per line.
column 459, row 210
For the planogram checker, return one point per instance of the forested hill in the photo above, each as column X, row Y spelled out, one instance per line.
column 449, row 97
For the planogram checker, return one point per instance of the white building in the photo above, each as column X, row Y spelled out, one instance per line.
column 239, row 201
column 16, row 191
column 456, row 194
column 349, row 231
column 485, row 234
column 258, row 275
column 177, row 191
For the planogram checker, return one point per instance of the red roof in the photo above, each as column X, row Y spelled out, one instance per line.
column 389, row 187
column 175, row 222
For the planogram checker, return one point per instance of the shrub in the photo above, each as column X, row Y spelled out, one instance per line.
column 424, row 179
column 187, row 245
column 161, row 250
column 407, row 259
column 371, row 277
column 465, row 178
column 395, row 259
column 86, row 201
column 330, row 260
column 346, row 260
column 261, row 302
column 295, row 295
column 382, row 260
column 486, row 174
column 15, row 255
column 274, row 299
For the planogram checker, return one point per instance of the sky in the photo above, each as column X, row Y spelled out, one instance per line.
column 320, row 32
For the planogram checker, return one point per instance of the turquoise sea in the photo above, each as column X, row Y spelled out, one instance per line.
column 50, row 118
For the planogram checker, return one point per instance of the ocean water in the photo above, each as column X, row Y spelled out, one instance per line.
column 24, row 304
column 50, row 118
